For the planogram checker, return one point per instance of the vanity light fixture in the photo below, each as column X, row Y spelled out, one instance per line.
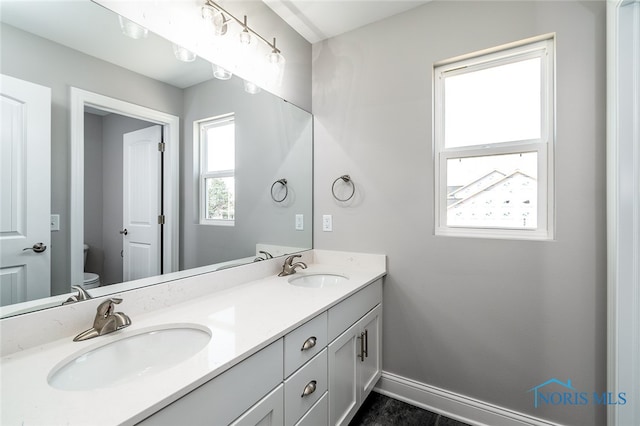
column 131, row 29
column 221, row 73
column 183, row 54
column 247, row 34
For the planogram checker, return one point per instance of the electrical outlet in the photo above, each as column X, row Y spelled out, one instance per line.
column 55, row 222
column 327, row 223
column 299, row 222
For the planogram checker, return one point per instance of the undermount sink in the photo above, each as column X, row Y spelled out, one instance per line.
column 318, row 280
column 144, row 353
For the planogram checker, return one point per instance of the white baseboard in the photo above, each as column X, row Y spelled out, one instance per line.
column 453, row 405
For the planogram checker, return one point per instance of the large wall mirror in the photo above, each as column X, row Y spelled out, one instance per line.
column 157, row 170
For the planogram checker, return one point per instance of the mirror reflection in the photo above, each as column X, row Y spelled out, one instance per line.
column 148, row 166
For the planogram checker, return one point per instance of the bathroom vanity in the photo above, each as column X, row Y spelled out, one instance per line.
column 297, row 350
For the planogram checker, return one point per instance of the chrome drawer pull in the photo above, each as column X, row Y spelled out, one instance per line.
column 309, row 389
column 309, row 343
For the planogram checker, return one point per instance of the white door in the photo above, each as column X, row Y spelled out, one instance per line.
column 142, row 186
column 25, row 188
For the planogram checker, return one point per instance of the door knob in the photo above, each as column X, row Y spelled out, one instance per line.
column 124, row 231
column 37, row 247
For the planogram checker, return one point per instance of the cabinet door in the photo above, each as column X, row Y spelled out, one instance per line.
column 268, row 412
column 371, row 367
column 343, row 377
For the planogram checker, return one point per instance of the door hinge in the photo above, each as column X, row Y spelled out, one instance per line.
column 161, row 219
column 161, row 146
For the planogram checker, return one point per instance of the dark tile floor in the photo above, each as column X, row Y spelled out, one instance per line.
column 379, row 410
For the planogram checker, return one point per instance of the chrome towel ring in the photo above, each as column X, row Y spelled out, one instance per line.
column 345, row 179
column 282, row 182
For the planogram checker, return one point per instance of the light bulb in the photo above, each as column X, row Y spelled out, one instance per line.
column 221, row 73
column 251, row 88
column 275, row 57
column 216, row 19
column 131, row 29
column 245, row 37
column 183, row 54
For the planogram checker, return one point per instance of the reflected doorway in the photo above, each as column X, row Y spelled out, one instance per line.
column 122, row 198
column 106, row 134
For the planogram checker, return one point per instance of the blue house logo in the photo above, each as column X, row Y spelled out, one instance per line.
column 546, row 396
column 570, row 395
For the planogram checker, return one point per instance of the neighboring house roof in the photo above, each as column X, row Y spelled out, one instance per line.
column 493, row 186
column 509, row 202
column 477, row 185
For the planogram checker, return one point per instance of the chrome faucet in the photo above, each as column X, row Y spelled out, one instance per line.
column 82, row 295
column 267, row 255
column 106, row 321
column 290, row 268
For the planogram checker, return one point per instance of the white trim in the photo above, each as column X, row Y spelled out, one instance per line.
column 623, row 208
column 453, row 405
column 79, row 99
column 544, row 48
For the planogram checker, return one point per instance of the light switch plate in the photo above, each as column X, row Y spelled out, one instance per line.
column 55, row 222
column 327, row 223
column 299, row 222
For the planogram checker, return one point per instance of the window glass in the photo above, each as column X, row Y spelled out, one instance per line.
column 491, row 105
column 493, row 191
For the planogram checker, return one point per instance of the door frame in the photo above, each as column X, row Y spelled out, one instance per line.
column 623, row 209
column 171, row 136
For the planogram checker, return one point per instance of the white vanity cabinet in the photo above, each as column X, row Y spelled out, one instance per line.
column 317, row 374
column 354, row 366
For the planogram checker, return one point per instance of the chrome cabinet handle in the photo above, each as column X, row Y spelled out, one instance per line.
column 366, row 343
column 309, row 343
column 309, row 389
column 37, row 247
column 124, row 231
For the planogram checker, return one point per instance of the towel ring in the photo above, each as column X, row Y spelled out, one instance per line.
column 282, row 182
column 345, row 179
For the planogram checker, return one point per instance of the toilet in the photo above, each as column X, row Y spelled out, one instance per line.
column 90, row 280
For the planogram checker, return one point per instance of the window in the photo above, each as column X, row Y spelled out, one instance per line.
column 493, row 143
column 217, row 170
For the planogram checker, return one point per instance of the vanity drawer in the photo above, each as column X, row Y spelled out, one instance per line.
column 304, row 343
column 350, row 310
column 225, row 397
column 311, row 378
column 318, row 415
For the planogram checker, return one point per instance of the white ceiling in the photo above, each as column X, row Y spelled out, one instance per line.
column 317, row 20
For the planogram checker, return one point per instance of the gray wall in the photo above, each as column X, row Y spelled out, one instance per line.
column 40, row 61
column 93, row 193
column 489, row 319
column 272, row 142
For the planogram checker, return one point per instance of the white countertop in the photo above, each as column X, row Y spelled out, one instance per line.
column 242, row 320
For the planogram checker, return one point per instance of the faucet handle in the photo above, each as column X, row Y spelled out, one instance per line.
column 289, row 260
column 105, row 308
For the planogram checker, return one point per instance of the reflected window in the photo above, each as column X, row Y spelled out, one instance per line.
column 493, row 143
column 217, row 170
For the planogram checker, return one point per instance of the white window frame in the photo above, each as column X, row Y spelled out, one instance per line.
column 200, row 128
column 542, row 47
